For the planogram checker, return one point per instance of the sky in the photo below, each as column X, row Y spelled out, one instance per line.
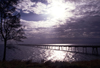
column 60, row 21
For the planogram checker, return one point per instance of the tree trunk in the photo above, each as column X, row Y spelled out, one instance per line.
column 4, row 54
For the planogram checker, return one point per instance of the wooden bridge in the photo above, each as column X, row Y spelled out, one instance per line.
column 82, row 49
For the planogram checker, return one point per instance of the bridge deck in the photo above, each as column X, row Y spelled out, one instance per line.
column 69, row 48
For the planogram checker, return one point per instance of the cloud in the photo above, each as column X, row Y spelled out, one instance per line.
column 87, row 27
column 39, row 24
column 90, row 7
column 39, row 8
column 25, row 6
column 77, row 7
column 74, row 9
column 83, row 23
column 28, row 6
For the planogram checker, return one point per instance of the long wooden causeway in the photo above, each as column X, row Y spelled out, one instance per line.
column 82, row 49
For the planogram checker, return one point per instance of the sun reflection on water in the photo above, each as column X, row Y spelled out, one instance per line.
column 56, row 55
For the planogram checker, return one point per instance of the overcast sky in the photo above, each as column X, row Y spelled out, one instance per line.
column 60, row 21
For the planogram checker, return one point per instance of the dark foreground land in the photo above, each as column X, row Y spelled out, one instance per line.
column 49, row 64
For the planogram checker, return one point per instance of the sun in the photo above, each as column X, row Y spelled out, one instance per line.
column 56, row 10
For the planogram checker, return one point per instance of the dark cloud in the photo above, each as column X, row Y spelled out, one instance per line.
column 82, row 27
column 85, row 30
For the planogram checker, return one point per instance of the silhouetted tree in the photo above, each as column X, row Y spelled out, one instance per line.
column 10, row 27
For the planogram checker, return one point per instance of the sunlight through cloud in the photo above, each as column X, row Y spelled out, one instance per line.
column 57, row 14
column 60, row 10
column 57, row 11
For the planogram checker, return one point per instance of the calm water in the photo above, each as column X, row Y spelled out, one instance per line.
column 37, row 54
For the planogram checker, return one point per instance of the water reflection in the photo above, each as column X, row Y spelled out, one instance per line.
column 37, row 54
column 56, row 55
column 58, row 44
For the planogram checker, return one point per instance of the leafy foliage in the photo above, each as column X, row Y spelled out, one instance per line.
column 10, row 27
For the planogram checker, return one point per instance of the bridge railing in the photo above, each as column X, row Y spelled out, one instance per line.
column 83, row 49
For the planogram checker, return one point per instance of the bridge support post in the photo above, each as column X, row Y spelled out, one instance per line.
column 66, row 48
column 46, row 47
column 71, row 49
column 85, row 50
column 59, row 47
column 75, row 49
column 95, row 50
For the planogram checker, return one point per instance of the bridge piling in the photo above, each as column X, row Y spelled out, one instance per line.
column 95, row 50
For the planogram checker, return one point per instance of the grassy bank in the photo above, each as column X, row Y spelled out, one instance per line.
column 49, row 64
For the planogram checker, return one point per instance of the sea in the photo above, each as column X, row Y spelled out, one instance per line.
column 36, row 54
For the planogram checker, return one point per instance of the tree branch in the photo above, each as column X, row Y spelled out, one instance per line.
column 1, row 26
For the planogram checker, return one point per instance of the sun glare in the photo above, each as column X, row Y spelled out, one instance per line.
column 57, row 56
column 56, row 10
column 58, row 13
